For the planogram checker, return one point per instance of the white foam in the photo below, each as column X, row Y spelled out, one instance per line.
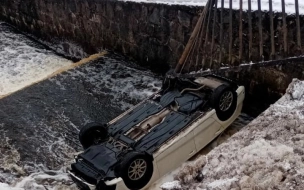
column 21, row 64
column 127, row 85
column 4, row 186
column 42, row 180
column 66, row 48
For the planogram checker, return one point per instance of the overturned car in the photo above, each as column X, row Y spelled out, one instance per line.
column 157, row 135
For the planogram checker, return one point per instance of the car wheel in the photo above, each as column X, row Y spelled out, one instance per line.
column 92, row 134
column 224, row 101
column 136, row 170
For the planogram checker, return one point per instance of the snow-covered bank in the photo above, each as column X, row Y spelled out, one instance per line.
column 266, row 154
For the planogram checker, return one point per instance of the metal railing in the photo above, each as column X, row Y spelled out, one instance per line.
column 229, row 34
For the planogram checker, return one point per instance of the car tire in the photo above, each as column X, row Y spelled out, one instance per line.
column 138, row 178
column 92, row 134
column 224, row 101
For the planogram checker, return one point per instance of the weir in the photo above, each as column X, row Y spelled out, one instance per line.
column 155, row 35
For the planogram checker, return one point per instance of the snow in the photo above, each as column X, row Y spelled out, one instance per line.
column 277, row 4
column 4, row 186
column 266, row 154
column 221, row 182
column 171, row 185
column 297, row 90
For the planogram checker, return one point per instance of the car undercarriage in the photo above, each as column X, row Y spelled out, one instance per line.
column 130, row 140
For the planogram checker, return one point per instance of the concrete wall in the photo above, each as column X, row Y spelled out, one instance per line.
column 153, row 34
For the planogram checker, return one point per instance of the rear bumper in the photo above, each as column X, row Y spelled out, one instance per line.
column 81, row 183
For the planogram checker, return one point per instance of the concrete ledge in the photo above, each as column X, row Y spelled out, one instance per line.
column 266, row 154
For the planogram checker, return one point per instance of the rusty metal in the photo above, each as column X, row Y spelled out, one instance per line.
column 213, row 33
column 198, row 47
column 206, row 41
column 284, row 28
column 241, row 32
column 272, row 55
column 260, row 29
column 206, row 36
column 246, row 67
column 191, row 41
column 221, row 31
column 250, row 30
column 199, row 42
column 298, row 24
column 230, row 31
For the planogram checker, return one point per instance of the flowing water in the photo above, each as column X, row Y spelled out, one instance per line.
column 39, row 119
column 23, row 62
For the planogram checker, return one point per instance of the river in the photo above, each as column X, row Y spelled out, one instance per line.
column 41, row 112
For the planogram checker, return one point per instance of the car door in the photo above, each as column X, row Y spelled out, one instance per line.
column 206, row 130
column 178, row 152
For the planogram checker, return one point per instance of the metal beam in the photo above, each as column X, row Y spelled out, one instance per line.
column 298, row 24
column 284, row 28
column 250, row 30
column 241, row 32
column 272, row 55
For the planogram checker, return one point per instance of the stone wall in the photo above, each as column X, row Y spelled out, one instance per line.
column 153, row 34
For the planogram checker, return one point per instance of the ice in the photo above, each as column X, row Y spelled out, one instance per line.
column 266, row 154
column 277, row 4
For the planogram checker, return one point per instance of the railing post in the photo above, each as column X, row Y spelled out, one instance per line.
column 284, row 28
column 250, row 29
column 241, row 32
column 213, row 33
column 272, row 55
column 221, row 32
column 230, row 31
column 260, row 29
column 298, row 25
column 206, row 36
